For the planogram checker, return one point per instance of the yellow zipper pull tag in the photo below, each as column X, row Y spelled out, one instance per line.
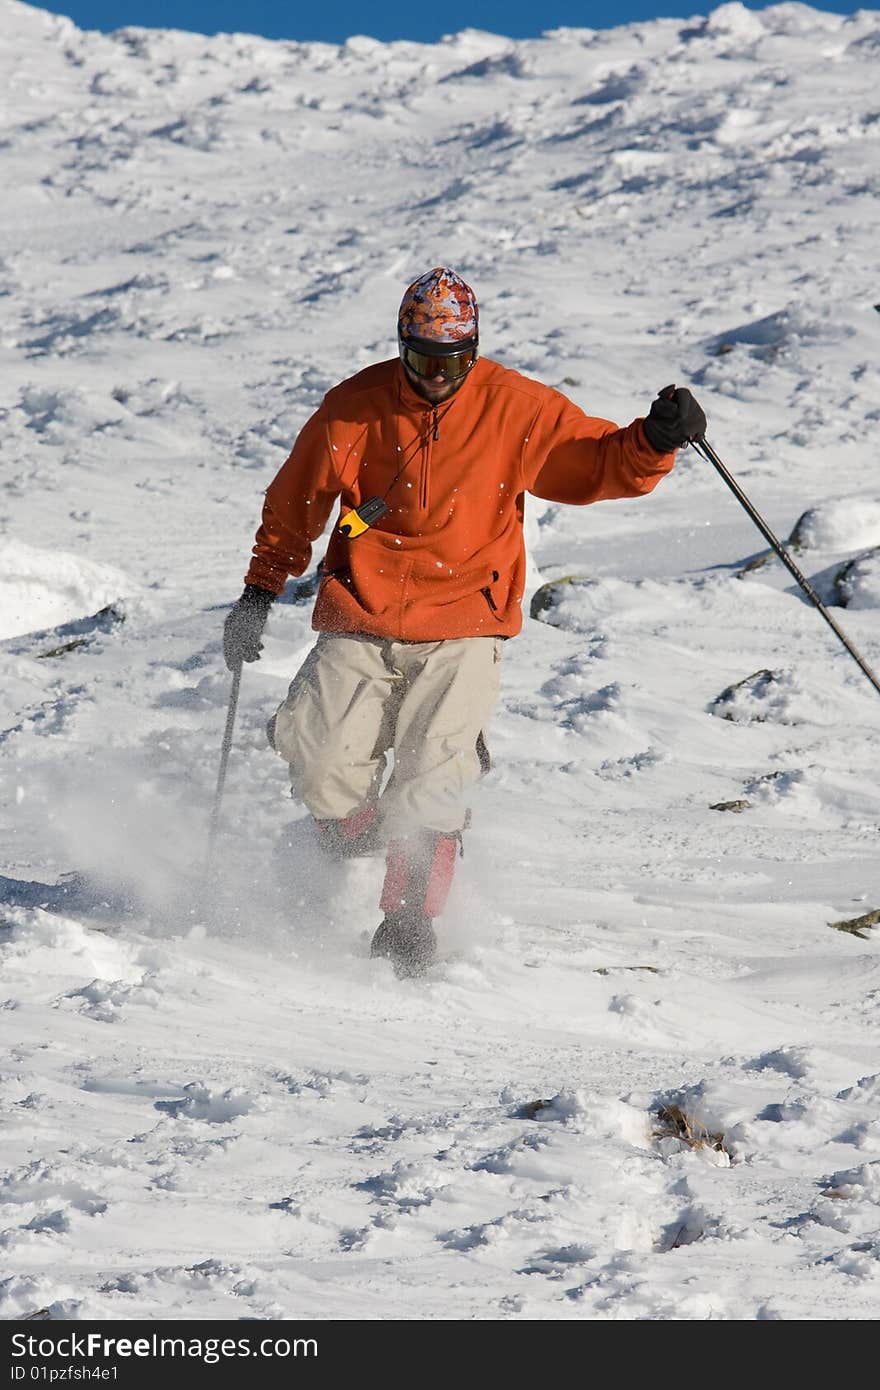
column 360, row 519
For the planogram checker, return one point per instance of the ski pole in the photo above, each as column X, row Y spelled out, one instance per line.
column 224, row 758
column 705, row 450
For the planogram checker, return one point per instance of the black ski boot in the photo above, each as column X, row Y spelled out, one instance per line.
column 418, row 872
column 407, row 939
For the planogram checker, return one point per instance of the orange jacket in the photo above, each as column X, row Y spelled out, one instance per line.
column 447, row 559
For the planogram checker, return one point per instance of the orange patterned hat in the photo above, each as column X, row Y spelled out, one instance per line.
column 439, row 307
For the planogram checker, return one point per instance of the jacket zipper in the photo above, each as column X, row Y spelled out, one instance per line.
column 433, row 433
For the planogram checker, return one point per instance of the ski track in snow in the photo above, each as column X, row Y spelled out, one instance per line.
column 214, row 1104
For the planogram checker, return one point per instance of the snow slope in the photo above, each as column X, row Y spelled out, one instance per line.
column 214, row 1104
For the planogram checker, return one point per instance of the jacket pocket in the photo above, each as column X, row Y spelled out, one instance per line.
column 486, row 591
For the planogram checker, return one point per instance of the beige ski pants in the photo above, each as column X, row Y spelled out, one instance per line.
column 356, row 698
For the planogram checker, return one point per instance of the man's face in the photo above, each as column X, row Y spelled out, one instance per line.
column 434, row 389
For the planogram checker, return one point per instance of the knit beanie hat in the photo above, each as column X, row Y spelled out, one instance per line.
column 439, row 308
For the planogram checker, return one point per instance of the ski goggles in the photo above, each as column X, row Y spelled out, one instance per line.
column 437, row 359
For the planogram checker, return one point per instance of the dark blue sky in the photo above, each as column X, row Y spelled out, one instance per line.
column 335, row 20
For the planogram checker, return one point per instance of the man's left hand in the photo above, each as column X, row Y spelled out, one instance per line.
column 675, row 419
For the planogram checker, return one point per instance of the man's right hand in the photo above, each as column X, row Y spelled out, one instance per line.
column 244, row 626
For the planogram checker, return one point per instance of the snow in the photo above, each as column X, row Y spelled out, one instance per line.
column 40, row 587
column 214, row 1104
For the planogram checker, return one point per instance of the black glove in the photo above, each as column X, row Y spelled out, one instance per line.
column 244, row 626
column 675, row 418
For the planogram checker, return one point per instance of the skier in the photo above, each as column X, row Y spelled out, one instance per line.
column 431, row 454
